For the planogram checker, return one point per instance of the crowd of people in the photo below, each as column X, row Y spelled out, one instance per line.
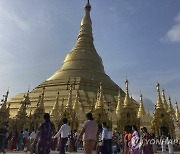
column 92, row 137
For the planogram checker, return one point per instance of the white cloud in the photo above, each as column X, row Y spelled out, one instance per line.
column 173, row 35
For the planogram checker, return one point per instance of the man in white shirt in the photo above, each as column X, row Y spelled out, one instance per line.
column 25, row 137
column 110, row 134
column 104, row 139
column 32, row 135
column 63, row 132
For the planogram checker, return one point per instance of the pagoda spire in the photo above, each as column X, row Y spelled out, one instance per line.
column 83, row 56
column 127, row 99
column 40, row 103
column 164, row 100
column 177, row 112
column 40, row 110
column 159, row 100
column 100, row 99
column 86, row 23
column 119, row 104
column 69, row 101
column 170, row 108
column 55, row 110
column 141, row 110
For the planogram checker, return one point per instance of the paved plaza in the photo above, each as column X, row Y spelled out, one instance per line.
column 80, row 152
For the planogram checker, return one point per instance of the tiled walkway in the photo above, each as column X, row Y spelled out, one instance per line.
column 80, row 152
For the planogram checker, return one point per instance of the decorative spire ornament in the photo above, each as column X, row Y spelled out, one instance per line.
column 141, row 111
column 127, row 99
column 170, row 108
column 159, row 100
column 164, row 100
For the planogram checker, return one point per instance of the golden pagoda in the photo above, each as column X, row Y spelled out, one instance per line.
column 82, row 71
column 80, row 86
column 162, row 122
column 100, row 113
column 128, row 115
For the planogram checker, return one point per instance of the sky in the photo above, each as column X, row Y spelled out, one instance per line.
column 138, row 39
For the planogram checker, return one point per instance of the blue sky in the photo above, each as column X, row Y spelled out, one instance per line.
column 138, row 39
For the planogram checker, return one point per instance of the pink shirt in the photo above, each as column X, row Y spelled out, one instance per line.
column 91, row 129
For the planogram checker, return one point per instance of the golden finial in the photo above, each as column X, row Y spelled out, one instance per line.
column 157, row 85
column 88, row 6
column 141, row 97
